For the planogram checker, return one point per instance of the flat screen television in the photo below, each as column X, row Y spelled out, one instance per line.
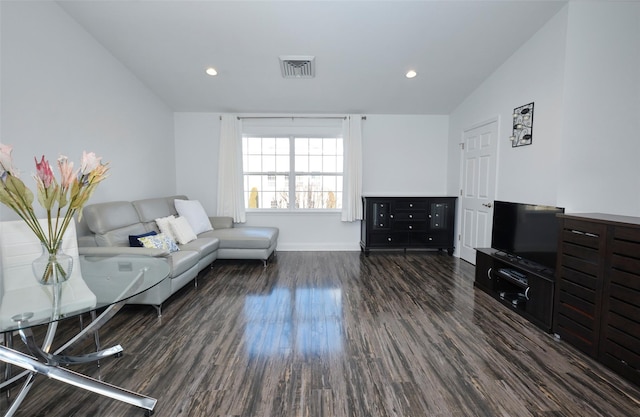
column 526, row 231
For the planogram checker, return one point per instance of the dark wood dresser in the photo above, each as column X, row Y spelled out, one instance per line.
column 408, row 222
column 597, row 297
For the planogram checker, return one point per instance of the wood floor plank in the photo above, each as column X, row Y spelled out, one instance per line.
column 338, row 334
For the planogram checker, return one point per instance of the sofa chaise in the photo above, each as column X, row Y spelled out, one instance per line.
column 108, row 227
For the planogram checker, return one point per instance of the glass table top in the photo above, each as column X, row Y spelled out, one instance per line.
column 104, row 281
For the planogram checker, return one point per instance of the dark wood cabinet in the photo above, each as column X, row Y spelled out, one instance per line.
column 597, row 303
column 408, row 222
column 516, row 284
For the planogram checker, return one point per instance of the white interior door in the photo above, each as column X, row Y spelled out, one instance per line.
column 478, row 188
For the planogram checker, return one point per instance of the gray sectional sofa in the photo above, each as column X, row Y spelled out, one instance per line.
column 107, row 227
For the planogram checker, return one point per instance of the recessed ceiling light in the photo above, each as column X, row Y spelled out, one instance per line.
column 211, row 71
column 411, row 74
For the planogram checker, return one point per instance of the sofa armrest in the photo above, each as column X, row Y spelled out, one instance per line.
column 122, row 250
column 221, row 222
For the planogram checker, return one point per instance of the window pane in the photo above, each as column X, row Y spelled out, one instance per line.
column 315, row 163
column 266, row 191
column 302, row 163
column 269, row 146
column 253, row 145
column 268, row 163
column 329, row 146
column 254, row 163
column 282, row 146
column 315, row 146
column 302, row 146
column 282, row 163
column 329, row 164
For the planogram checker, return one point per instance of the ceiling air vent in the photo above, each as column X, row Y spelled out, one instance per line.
column 298, row 66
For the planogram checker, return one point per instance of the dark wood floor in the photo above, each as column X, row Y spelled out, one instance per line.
column 340, row 334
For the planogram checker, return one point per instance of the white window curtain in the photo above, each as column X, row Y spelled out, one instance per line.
column 230, row 185
column 352, row 179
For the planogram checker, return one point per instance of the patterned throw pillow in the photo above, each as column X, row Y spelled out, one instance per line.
column 160, row 241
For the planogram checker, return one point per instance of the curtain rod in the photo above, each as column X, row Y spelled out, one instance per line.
column 293, row 117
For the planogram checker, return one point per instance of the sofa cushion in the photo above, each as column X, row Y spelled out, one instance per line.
column 182, row 261
column 245, row 237
column 105, row 217
column 152, row 208
column 203, row 245
column 119, row 237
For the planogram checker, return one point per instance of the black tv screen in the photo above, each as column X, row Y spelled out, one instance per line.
column 526, row 231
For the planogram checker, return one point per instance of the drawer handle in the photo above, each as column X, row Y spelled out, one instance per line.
column 411, row 216
column 391, row 216
column 410, row 227
column 410, row 204
column 526, row 293
column 489, row 274
column 437, row 224
column 430, row 238
column 389, row 239
column 381, row 215
column 381, row 224
column 429, row 216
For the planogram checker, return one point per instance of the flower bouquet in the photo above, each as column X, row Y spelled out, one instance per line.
column 71, row 192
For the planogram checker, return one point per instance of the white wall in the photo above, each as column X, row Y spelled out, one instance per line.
column 582, row 70
column 62, row 92
column 534, row 73
column 601, row 144
column 402, row 155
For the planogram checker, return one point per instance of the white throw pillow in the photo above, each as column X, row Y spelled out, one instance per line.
column 182, row 230
column 165, row 228
column 193, row 211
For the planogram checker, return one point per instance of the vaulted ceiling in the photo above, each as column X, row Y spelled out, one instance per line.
column 362, row 50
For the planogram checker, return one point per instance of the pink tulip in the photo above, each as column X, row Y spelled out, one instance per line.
column 44, row 172
column 89, row 162
column 6, row 161
column 66, row 172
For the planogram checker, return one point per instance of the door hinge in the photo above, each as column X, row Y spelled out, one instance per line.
column 461, row 192
column 459, row 237
column 462, row 146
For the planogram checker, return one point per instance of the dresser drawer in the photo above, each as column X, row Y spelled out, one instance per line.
column 431, row 239
column 409, row 226
column 389, row 239
column 410, row 215
column 411, row 205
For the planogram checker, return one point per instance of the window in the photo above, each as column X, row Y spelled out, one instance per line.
column 292, row 172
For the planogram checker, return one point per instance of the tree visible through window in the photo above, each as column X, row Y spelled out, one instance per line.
column 292, row 172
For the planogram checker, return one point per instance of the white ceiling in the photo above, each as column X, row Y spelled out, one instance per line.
column 362, row 50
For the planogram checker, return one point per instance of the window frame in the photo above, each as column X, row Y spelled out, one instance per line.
column 292, row 174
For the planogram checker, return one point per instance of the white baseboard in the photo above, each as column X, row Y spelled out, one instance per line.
column 321, row 247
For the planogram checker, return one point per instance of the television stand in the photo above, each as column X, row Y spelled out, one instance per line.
column 523, row 286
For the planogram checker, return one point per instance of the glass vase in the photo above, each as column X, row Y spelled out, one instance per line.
column 52, row 268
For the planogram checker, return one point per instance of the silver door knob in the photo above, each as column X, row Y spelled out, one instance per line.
column 487, row 205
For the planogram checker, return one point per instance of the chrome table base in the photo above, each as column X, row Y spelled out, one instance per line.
column 48, row 364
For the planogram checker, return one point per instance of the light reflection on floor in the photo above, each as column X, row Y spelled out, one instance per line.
column 305, row 322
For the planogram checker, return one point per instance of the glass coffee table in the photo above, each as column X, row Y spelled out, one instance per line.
column 106, row 284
